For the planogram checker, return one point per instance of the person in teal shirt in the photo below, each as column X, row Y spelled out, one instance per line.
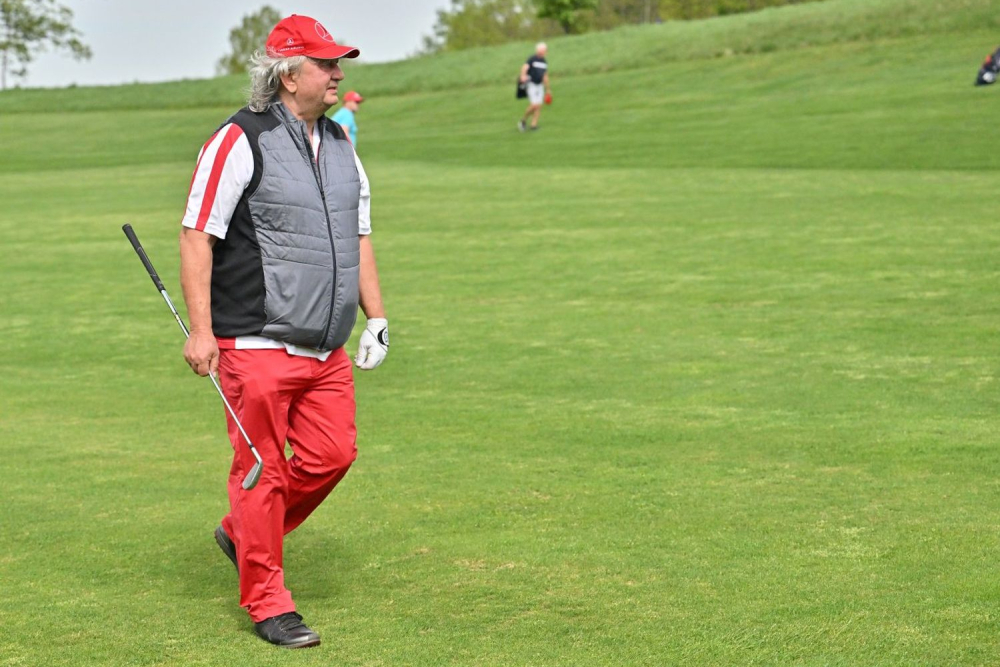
column 345, row 115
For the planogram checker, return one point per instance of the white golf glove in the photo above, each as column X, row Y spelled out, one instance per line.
column 374, row 344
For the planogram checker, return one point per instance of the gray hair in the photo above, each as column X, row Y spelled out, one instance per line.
column 265, row 78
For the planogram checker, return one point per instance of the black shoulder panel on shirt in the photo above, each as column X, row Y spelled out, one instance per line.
column 335, row 128
column 237, row 268
column 253, row 125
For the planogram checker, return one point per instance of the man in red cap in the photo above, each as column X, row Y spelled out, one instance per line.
column 276, row 258
column 345, row 116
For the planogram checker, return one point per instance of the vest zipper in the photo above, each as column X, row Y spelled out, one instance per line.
column 314, row 163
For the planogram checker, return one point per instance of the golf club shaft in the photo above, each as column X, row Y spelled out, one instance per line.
column 130, row 233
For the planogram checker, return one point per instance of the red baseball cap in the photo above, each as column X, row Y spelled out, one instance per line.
column 353, row 96
column 303, row 36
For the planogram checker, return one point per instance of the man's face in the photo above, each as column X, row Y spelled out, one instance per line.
column 352, row 105
column 316, row 84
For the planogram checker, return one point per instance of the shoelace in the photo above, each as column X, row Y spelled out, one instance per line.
column 289, row 621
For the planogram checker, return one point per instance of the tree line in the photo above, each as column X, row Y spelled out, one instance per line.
column 470, row 23
column 30, row 26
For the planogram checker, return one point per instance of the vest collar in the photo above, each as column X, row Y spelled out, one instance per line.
column 297, row 128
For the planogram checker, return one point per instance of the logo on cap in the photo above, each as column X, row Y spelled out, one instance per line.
column 323, row 33
column 290, row 41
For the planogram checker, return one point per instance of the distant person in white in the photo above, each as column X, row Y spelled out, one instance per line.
column 535, row 76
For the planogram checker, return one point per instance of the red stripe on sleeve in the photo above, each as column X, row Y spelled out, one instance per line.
column 197, row 166
column 234, row 133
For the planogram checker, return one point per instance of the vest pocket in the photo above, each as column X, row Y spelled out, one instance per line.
column 348, row 252
column 297, row 302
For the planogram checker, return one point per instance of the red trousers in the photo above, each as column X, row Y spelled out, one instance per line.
column 310, row 404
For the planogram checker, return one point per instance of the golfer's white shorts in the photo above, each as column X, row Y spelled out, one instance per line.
column 536, row 93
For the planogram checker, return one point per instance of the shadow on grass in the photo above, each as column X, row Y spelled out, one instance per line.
column 202, row 575
column 317, row 565
column 317, row 568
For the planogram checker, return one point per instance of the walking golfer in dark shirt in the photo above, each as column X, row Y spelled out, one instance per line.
column 535, row 76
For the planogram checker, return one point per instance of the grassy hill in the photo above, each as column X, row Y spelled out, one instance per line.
column 785, row 29
column 704, row 372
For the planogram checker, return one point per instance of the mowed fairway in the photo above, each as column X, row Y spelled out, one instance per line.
column 703, row 373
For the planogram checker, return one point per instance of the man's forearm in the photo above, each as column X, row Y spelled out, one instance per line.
column 196, row 278
column 370, row 291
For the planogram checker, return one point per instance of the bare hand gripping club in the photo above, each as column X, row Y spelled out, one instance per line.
column 253, row 476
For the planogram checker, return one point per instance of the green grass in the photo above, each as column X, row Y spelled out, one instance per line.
column 703, row 373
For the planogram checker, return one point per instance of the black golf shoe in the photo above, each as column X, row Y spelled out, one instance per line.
column 227, row 546
column 286, row 630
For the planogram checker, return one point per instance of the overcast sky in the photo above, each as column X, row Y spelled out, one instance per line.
column 139, row 40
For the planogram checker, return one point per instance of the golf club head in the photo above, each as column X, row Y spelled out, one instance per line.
column 253, row 476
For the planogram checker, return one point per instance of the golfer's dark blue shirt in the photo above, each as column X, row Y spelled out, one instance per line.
column 537, row 68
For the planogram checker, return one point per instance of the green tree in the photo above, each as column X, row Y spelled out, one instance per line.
column 699, row 9
column 569, row 14
column 29, row 26
column 613, row 13
column 471, row 23
column 246, row 38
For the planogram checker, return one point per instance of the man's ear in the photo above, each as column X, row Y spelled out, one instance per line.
column 288, row 81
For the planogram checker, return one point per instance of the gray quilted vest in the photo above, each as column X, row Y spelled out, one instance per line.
column 288, row 267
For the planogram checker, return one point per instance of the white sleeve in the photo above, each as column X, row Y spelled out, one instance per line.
column 365, row 205
column 224, row 169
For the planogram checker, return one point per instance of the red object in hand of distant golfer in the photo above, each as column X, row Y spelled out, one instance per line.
column 548, row 98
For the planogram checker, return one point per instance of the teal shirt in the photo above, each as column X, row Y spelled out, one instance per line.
column 346, row 118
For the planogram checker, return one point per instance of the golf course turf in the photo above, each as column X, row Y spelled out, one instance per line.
column 704, row 372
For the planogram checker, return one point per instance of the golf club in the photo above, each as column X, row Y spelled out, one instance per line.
column 253, row 476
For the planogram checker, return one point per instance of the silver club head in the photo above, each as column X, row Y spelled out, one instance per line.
column 253, row 476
